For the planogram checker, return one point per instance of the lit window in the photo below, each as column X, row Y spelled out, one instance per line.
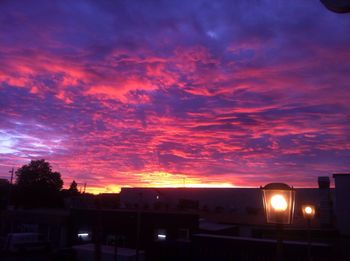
column 160, row 235
column 83, row 236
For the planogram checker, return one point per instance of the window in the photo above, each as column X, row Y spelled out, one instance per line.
column 160, row 235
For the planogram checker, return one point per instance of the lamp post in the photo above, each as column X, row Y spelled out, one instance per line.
column 138, row 227
column 308, row 213
column 278, row 200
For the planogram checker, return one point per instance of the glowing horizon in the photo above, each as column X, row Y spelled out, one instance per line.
column 164, row 180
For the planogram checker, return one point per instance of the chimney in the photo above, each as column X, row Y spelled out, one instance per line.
column 326, row 208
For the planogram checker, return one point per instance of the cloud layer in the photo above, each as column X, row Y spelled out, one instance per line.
column 143, row 93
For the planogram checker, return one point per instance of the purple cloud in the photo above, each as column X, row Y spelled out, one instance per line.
column 151, row 93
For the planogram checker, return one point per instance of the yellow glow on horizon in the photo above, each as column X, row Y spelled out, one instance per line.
column 169, row 180
column 163, row 180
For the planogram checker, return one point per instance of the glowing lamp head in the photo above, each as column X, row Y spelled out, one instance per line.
column 278, row 200
column 279, row 203
column 308, row 211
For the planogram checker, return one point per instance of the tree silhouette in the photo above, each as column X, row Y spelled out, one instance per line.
column 37, row 185
column 73, row 188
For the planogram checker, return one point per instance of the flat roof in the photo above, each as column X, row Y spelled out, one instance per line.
column 340, row 174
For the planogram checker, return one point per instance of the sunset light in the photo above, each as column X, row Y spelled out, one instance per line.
column 195, row 94
column 174, row 130
column 165, row 180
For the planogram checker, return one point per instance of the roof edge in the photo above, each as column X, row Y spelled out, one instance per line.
column 340, row 174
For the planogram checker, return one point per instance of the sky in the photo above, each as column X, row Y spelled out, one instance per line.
column 175, row 93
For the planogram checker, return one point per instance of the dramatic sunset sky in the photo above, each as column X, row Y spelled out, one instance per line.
column 174, row 93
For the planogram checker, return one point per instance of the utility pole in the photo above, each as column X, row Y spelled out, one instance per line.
column 10, row 188
column 11, row 179
column 97, row 231
column 138, row 227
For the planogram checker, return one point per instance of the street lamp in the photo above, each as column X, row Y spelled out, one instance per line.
column 278, row 200
column 308, row 213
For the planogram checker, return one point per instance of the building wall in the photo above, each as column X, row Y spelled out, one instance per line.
column 342, row 202
column 128, row 224
column 243, row 203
